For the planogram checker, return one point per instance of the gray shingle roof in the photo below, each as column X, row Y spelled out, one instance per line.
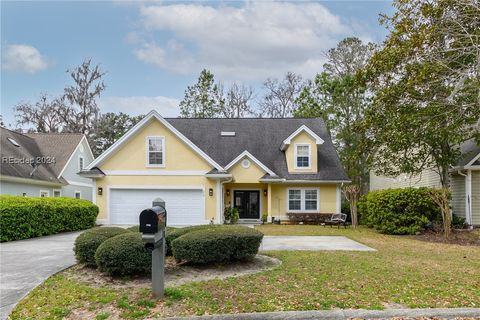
column 36, row 145
column 263, row 139
column 469, row 149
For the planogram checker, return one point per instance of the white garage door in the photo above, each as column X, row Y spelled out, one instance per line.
column 184, row 207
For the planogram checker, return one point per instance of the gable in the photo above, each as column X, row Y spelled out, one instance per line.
column 131, row 155
column 250, row 174
column 303, row 138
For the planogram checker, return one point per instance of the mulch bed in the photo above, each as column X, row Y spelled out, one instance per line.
column 460, row 237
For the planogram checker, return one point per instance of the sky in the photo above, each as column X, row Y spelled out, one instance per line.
column 151, row 51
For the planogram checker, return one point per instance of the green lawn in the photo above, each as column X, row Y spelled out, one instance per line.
column 403, row 273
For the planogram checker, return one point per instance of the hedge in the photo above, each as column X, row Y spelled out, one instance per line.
column 28, row 217
column 123, row 254
column 398, row 211
column 174, row 233
column 87, row 243
column 217, row 245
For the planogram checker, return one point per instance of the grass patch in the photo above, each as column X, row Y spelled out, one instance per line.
column 402, row 272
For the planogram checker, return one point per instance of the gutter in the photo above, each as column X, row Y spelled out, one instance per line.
column 31, row 181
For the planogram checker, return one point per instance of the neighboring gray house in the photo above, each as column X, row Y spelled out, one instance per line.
column 44, row 164
column 464, row 183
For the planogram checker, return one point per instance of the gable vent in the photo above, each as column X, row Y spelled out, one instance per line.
column 227, row 133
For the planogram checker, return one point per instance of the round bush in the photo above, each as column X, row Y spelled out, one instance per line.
column 87, row 243
column 123, row 255
column 133, row 228
column 217, row 244
column 399, row 211
column 174, row 233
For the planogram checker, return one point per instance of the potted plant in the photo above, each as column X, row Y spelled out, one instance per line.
column 264, row 218
column 231, row 215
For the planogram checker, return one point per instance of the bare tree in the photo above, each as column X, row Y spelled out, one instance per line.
column 352, row 194
column 82, row 112
column 43, row 115
column 237, row 101
column 279, row 99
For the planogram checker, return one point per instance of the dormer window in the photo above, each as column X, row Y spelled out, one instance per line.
column 302, row 156
column 155, row 152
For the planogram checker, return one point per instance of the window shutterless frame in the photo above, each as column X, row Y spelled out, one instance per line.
column 44, row 193
column 81, row 163
column 296, row 155
column 308, row 197
column 161, row 151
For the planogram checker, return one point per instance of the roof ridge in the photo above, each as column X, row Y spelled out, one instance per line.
column 55, row 133
column 247, row 118
column 16, row 132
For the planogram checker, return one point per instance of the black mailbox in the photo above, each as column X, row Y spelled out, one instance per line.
column 152, row 220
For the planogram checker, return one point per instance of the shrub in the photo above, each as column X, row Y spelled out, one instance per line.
column 399, row 211
column 87, row 243
column 28, row 217
column 308, row 217
column 221, row 244
column 133, row 228
column 458, row 222
column 123, row 254
column 231, row 214
column 174, row 233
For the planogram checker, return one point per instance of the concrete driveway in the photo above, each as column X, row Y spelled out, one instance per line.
column 314, row 243
column 27, row 263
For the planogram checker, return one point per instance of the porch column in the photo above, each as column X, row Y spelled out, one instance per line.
column 468, row 197
column 339, row 199
column 219, row 201
column 269, row 202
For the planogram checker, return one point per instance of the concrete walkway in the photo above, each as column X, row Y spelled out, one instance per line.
column 341, row 314
column 314, row 243
column 27, row 263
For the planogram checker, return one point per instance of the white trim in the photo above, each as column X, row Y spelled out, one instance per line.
column 94, row 192
column 295, row 153
column 79, row 184
column 219, row 175
column 249, row 155
column 155, row 172
column 302, row 200
column 218, row 203
column 152, row 114
column 339, row 199
column 80, row 168
column 57, row 190
column 75, row 194
column 260, row 195
column 288, row 140
column 227, row 133
column 147, row 152
column 470, row 164
column 73, row 153
column 29, row 181
column 316, row 181
column 468, row 197
column 44, row 191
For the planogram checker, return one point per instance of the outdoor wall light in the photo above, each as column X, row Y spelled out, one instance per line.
column 265, row 192
column 100, row 191
column 228, row 192
column 210, row 192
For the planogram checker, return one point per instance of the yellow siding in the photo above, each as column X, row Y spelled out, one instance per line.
column 303, row 138
column 246, row 175
column 328, row 198
column 178, row 155
column 158, row 181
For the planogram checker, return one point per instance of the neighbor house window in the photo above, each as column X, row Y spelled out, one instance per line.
column 57, row 193
column 303, row 200
column 80, row 163
column 302, row 156
column 44, row 193
column 78, row 195
column 155, row 151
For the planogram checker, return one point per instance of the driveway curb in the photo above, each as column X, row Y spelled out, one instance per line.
column 445, row 313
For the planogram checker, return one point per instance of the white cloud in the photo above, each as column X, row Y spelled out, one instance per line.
column 251, row 41
column 23, row 58
column 135, row 105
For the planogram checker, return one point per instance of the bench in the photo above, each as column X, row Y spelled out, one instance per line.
column 337, row 219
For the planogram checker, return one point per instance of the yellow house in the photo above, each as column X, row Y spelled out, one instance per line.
column 200, row 166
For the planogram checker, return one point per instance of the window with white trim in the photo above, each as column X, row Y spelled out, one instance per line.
column 57, row 193
column 155, row 151
column 80, row 163
column 303, row 200
column 78, row 194
column 302, row 156
column 44, row 193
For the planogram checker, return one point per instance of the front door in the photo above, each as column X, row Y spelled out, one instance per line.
column 248, row 203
